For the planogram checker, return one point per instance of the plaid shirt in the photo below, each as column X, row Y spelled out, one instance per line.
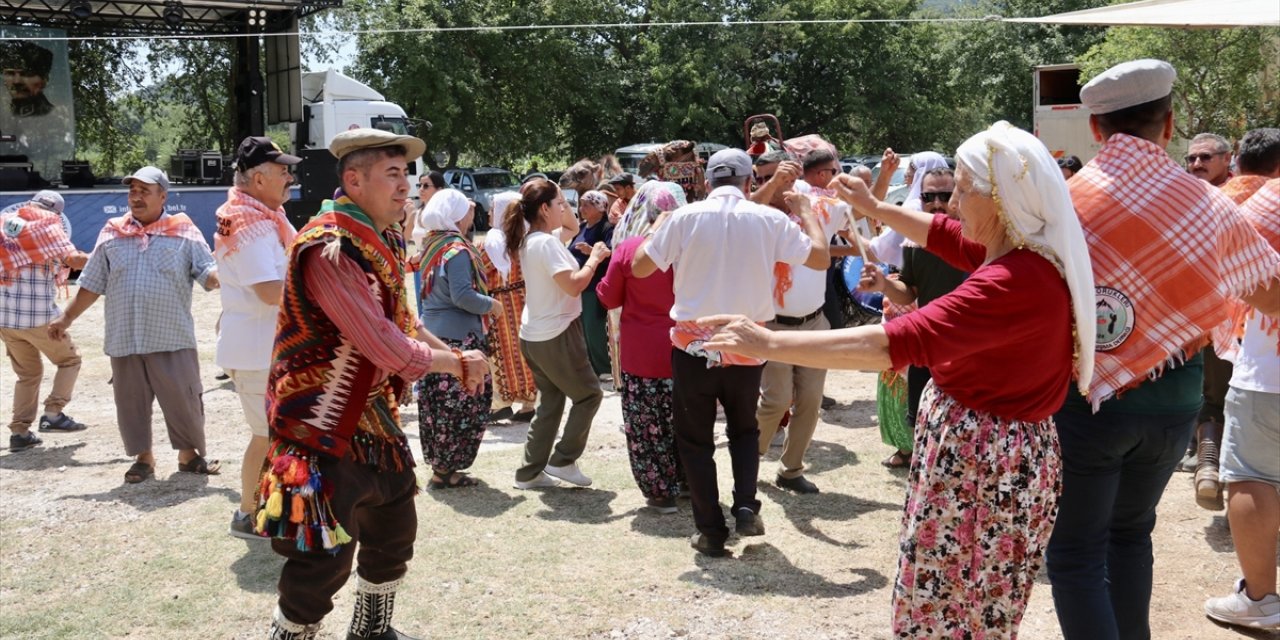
column 27, row 295
column 148, row 293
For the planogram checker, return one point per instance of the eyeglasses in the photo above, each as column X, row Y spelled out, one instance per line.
column 764, row 178
column 1193, row 158
column 940, row 196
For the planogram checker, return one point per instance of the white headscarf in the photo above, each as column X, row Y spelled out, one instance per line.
column 495, row 240
column 924, row 162
column 446, row 209
column 1033, row 201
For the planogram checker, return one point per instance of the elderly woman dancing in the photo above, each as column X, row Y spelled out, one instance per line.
column 455, row 299
column 986, row 476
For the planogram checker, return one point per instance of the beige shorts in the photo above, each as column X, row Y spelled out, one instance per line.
column 251, row 386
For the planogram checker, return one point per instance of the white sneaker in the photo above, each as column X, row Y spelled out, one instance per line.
column 569, row 473
column 543, row 481
column 1240, row 610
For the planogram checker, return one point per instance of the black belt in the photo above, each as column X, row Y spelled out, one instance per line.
column 791, row 321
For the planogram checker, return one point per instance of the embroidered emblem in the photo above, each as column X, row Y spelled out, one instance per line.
column 1115, row 318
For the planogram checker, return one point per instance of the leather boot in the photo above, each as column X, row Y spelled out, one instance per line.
column 1208, row 489
column 284, row 629
column 375, row 604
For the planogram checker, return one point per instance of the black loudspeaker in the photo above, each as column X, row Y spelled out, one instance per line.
column 300, row 211
column 184, row 166
column 211, row 167
column 15, row 176
column 77, row 174
column 317, row 174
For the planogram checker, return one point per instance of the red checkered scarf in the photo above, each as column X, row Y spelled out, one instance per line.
column 243, row 218
column 819, row 200
column 176, row 225
column 32, row 235
column 1262, row 210
column 1239, row 189
column 1168, row 248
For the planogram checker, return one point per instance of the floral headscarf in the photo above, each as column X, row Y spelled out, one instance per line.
column 651, row 200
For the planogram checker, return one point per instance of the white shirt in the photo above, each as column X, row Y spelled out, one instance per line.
column 808, row 290
column 248, row 327
column 548, row 310
column 724, row 249
column 1257, row 368
column 888, row 247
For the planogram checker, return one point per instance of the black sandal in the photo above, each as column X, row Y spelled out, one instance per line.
column 898, row 460
column 453, row 480
column 138, row 472
column 198, row 465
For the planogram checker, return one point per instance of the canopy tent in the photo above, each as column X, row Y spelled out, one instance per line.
column 1173, row 13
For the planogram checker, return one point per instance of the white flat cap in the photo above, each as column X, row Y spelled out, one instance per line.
column 353, row 139
column 1128, row 84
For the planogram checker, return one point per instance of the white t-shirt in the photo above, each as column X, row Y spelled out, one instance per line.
column 724, row 249
column 548, row 310
column 1257, row 367
column 808, row 290
column 248, row 327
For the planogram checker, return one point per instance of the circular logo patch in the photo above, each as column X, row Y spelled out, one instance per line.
column 1115, row 318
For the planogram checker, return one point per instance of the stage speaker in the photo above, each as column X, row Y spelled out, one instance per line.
column 77, row 174
column 317, row 174
column 15, row 176
column 211, row 167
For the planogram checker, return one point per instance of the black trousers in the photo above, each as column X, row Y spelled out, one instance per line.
column 917, row 378
column 376, row 508
column 696, row 391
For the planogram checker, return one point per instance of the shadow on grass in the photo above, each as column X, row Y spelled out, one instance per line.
column 258, row 569
column 1218, row 535
column 662, row 525
column 763, row 569
column 859, row 414
column 480, row 501
column 47, row 457
column 583, row 506
column 821, row 457
column 804, row 510
column 154, row 494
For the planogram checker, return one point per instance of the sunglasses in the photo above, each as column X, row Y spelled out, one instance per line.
column 764, row 178
column 1200, row 157
column 940, row 196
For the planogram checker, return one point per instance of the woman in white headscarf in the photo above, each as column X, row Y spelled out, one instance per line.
column 985, row 480
column 455, row 301
column 513, row 380
column 888, row 245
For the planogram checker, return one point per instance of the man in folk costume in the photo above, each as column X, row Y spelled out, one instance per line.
column 249, row 246
column 1169, row 252
column 1251, row 444
column 144, row 264
column 1258, row 159
column 347, row 345
column 36, row 256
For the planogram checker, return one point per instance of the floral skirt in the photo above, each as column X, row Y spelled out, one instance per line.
column 451, row 422
column 649, row 421
column 891, row 409
column 980, row 507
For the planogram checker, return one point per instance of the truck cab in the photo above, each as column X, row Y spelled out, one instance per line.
column 1060, row 120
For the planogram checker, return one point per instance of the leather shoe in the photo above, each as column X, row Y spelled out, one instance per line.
column 708, row 547
column 798, row 484
column 389, row 634
column 748, row 522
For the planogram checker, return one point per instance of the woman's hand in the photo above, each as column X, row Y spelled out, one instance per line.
column 737, row 334
column 496, row 309
column 873, row 279
column 889, row 161
column 600, row 251
column 855, row 192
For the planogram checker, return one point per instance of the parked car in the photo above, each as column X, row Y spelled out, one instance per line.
column 480, row 185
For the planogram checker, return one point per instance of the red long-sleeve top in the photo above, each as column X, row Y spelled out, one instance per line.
column 646, row 312
column 1000, row 342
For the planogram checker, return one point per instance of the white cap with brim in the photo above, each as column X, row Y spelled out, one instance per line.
column 1128, row 84
column 729, row 163
column 149, row 175
column 356, row 139
column 51, row 200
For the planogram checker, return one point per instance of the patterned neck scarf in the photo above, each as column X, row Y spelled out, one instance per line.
column 176, row 225
column 243, row 218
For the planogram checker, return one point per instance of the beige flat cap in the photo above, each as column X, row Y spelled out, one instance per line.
column 354, row 139
column 1128, row 84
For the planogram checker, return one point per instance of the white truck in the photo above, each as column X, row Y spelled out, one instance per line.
column 1058, row 118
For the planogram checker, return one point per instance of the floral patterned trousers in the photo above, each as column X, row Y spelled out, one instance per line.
column 649, row 422
column 451, row 422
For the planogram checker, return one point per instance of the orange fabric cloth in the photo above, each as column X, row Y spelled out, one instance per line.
column 1262, row 210
column 781, row 270
column 243, row 218
column 32, row 235
column 176, row 225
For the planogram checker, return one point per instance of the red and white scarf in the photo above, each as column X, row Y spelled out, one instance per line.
column 1169, row 252
column 32, row 235
column 1262, row 211
column 243, row 218
column 176, row 225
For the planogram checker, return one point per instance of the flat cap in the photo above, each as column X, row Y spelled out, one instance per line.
column 356, row 139
column 1128, row 84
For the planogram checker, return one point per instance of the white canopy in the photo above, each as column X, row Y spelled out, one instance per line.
column 327, row 86
column 1173, row 13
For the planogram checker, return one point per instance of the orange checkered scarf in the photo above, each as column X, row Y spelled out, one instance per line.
column 1169, row 251
column 1262, row 210
column 243, row 218
column 32, row 235
column 1239, row 189
column 781, row 270
column 176, row 225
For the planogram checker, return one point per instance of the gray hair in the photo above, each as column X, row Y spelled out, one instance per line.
column 244, row 178
column 1220, row 144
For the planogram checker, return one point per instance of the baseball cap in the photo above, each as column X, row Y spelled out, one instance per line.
column 623, row 178
column 1128, row 84
column 257, row 150
column 729, row 163
column 149, row 175
column 355, row 139
column 51, row 200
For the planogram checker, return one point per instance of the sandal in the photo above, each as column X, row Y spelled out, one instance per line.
column 453, row 480
column 138, row 472
column 199, row 465
column 897, row 461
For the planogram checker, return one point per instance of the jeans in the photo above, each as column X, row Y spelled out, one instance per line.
column 1115, row 468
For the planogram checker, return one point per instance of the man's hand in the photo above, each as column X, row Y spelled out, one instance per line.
column 58, row 328
column 853, row 191
column 212, row 282
column 737, row 334
column 76, row 260
column 786, row 175
column 615, row 217
column 889, row 162
column 797, row 202
column 475, row 367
